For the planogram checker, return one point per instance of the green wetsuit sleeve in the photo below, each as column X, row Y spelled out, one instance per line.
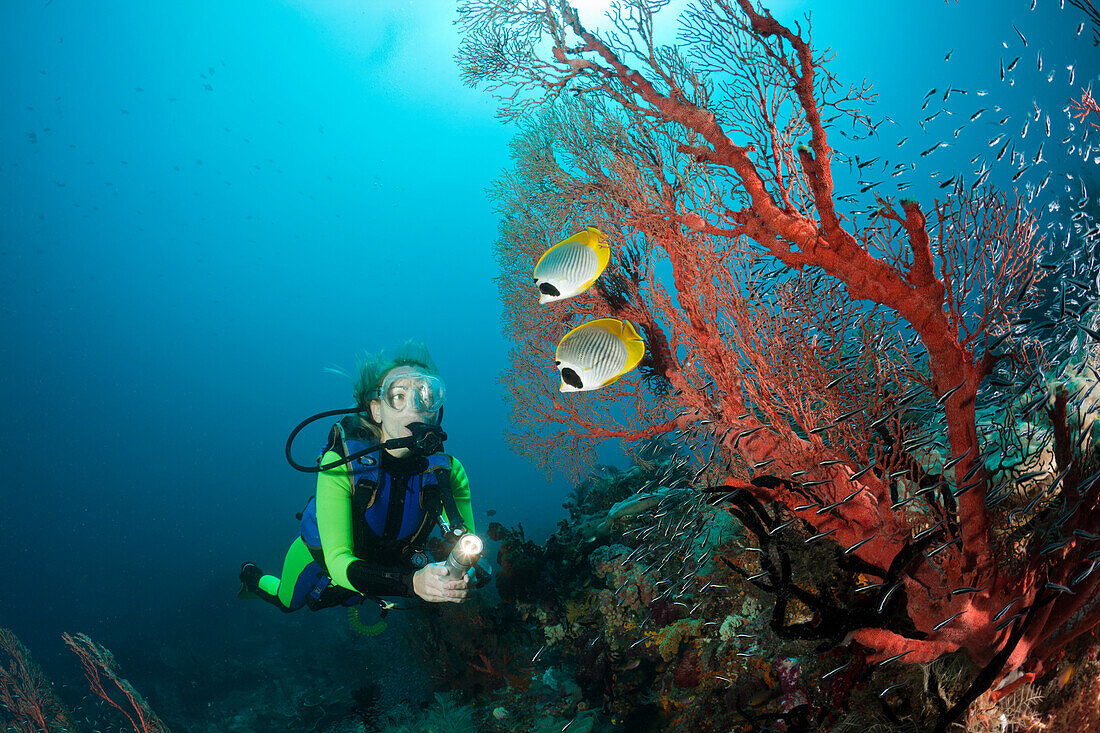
column 334, row 519
column 334, row 525
column 460, row 487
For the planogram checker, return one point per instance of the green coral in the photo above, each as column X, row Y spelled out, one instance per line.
column 554, row 634
column 445, row 716
column 729, row 627
column 673, row 636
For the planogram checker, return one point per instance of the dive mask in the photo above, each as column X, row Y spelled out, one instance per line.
column 422, row 392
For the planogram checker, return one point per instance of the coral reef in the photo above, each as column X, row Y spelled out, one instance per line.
column 639, row 629
column 444, row 715
column 29, row 701
column 909, row 391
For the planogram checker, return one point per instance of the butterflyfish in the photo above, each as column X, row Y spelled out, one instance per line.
column 571, row 266
column 595, row 354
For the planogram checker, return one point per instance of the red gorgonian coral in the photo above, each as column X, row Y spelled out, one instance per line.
column 872, row 378
column 28, row 699
column 102, row 673
column 1086, row 109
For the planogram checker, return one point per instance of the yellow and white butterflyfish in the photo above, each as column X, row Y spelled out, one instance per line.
column 572, row 265
column 597, row 353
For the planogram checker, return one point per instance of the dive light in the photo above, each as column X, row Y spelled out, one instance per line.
column 466, row 552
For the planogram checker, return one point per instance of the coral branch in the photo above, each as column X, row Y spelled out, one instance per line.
column 102, row 673
column 1086, row 109
column 27, row 697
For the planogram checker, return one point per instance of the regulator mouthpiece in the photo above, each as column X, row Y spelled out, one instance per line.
column 425, row 440
column 466, row 552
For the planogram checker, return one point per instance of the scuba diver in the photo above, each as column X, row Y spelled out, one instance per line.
column 383, row 486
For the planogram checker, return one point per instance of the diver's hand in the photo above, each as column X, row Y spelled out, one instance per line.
column 433, row 585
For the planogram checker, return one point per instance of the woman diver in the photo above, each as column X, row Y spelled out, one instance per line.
column 382, row 488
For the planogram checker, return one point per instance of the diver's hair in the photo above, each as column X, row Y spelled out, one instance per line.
column 372, row 369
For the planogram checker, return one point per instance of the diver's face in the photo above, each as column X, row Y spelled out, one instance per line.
column 399, row 407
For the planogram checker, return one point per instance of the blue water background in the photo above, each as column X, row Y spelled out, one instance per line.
column 205, row 204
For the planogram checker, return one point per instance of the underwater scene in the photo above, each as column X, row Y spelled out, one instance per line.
column 550, row 366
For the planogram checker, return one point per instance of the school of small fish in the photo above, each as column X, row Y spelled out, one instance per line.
column 1024, row 478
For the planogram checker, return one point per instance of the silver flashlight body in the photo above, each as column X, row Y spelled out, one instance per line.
column 466, row 552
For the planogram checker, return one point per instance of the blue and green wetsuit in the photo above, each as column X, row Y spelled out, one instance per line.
column 362, row 530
